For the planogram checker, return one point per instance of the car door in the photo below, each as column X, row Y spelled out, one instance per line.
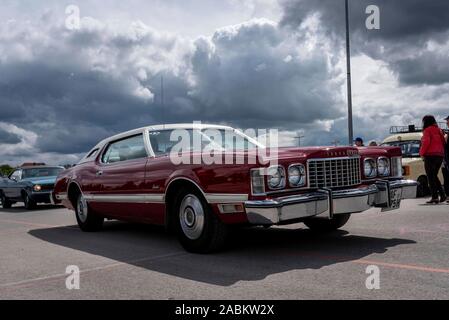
column 120, row 172
column 14, row 186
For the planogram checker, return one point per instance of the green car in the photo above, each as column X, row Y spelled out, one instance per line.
column 30, row 185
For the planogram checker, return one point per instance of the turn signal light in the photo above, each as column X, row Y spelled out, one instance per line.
column 405, row 171
column 230, row 208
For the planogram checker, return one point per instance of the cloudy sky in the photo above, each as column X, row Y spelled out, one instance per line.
column 249, row 64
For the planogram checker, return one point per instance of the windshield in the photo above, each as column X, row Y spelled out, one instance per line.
column 163, row 141
column 40, row 172
column 410, row 149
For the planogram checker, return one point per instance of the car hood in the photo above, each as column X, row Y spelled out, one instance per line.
column 41, row 180
column 313, row 152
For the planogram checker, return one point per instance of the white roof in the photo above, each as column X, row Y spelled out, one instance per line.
column 186, row 126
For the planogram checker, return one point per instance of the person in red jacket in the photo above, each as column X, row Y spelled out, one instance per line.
column 432, row 151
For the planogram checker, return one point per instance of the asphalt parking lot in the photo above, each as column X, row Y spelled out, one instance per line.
column 125, row 261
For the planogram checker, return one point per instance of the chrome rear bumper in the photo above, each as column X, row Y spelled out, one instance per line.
column 327, row 202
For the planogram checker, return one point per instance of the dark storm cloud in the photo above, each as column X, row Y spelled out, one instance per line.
column 73, row 89
column 406, row 28
column 427, row 68
column 8, row 137
column 243, row 78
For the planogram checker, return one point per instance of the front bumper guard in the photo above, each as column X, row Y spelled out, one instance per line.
column 327, row 203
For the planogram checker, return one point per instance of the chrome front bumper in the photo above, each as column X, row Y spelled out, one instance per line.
column 326, row 202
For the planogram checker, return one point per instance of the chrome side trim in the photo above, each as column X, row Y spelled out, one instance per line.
column 125, row 198
column 215, row 198
column 211, row 198
column 186, row 179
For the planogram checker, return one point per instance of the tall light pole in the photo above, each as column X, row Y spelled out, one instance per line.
column 299, row 137
column 348, row 67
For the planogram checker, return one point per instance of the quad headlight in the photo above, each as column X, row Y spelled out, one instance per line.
column 370, row 168
column 383, row 167
column 276, row 177
column 297, row 175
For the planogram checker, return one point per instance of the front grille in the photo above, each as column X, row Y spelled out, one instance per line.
column 47, row 187
column 334, row 173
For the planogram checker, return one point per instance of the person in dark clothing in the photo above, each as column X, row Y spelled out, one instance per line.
column 432, row 151
column 359, row 142
column 445, row 168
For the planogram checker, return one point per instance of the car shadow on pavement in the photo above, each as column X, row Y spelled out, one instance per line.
column 252, row 254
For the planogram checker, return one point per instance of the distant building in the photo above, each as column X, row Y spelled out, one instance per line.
column 32, row 164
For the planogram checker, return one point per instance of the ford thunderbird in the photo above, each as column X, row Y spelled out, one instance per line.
column 31, row 185
column 136, row 176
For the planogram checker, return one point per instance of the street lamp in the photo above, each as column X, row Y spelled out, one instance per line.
column 348, row 68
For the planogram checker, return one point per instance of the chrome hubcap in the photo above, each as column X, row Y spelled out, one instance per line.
column 82, row 209
column 191, row 216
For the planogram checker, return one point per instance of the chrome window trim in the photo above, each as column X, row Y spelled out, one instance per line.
column 148, row 146
column 109, row 143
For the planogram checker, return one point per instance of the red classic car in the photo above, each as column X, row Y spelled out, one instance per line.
column 133, row 176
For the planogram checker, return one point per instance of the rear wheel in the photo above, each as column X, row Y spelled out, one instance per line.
column 423, row 189
column 6, row 204
column 327, row 225
column 29, row 203
column 198, row 229
column 87, row 220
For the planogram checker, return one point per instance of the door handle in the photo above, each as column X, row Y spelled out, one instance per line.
column 99, row 173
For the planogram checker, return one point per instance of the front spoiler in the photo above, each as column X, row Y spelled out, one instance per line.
column 327, row 203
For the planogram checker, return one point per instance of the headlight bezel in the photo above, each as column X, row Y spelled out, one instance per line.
column 373, row 168
column 282, row 179
column 302, row 182
column 387, row 166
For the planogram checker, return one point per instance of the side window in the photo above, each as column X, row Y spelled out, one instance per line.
column 160, row 142
column 17, row 175
column 126, row 149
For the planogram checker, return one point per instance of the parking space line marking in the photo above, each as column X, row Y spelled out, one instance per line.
column 402, row 266
column 374, row 262
column 25, row 283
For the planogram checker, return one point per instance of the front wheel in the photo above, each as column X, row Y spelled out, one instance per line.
column 327, row 225
column 87, row 220
column 6, row 204
column 198, row 229
column 29, row 203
